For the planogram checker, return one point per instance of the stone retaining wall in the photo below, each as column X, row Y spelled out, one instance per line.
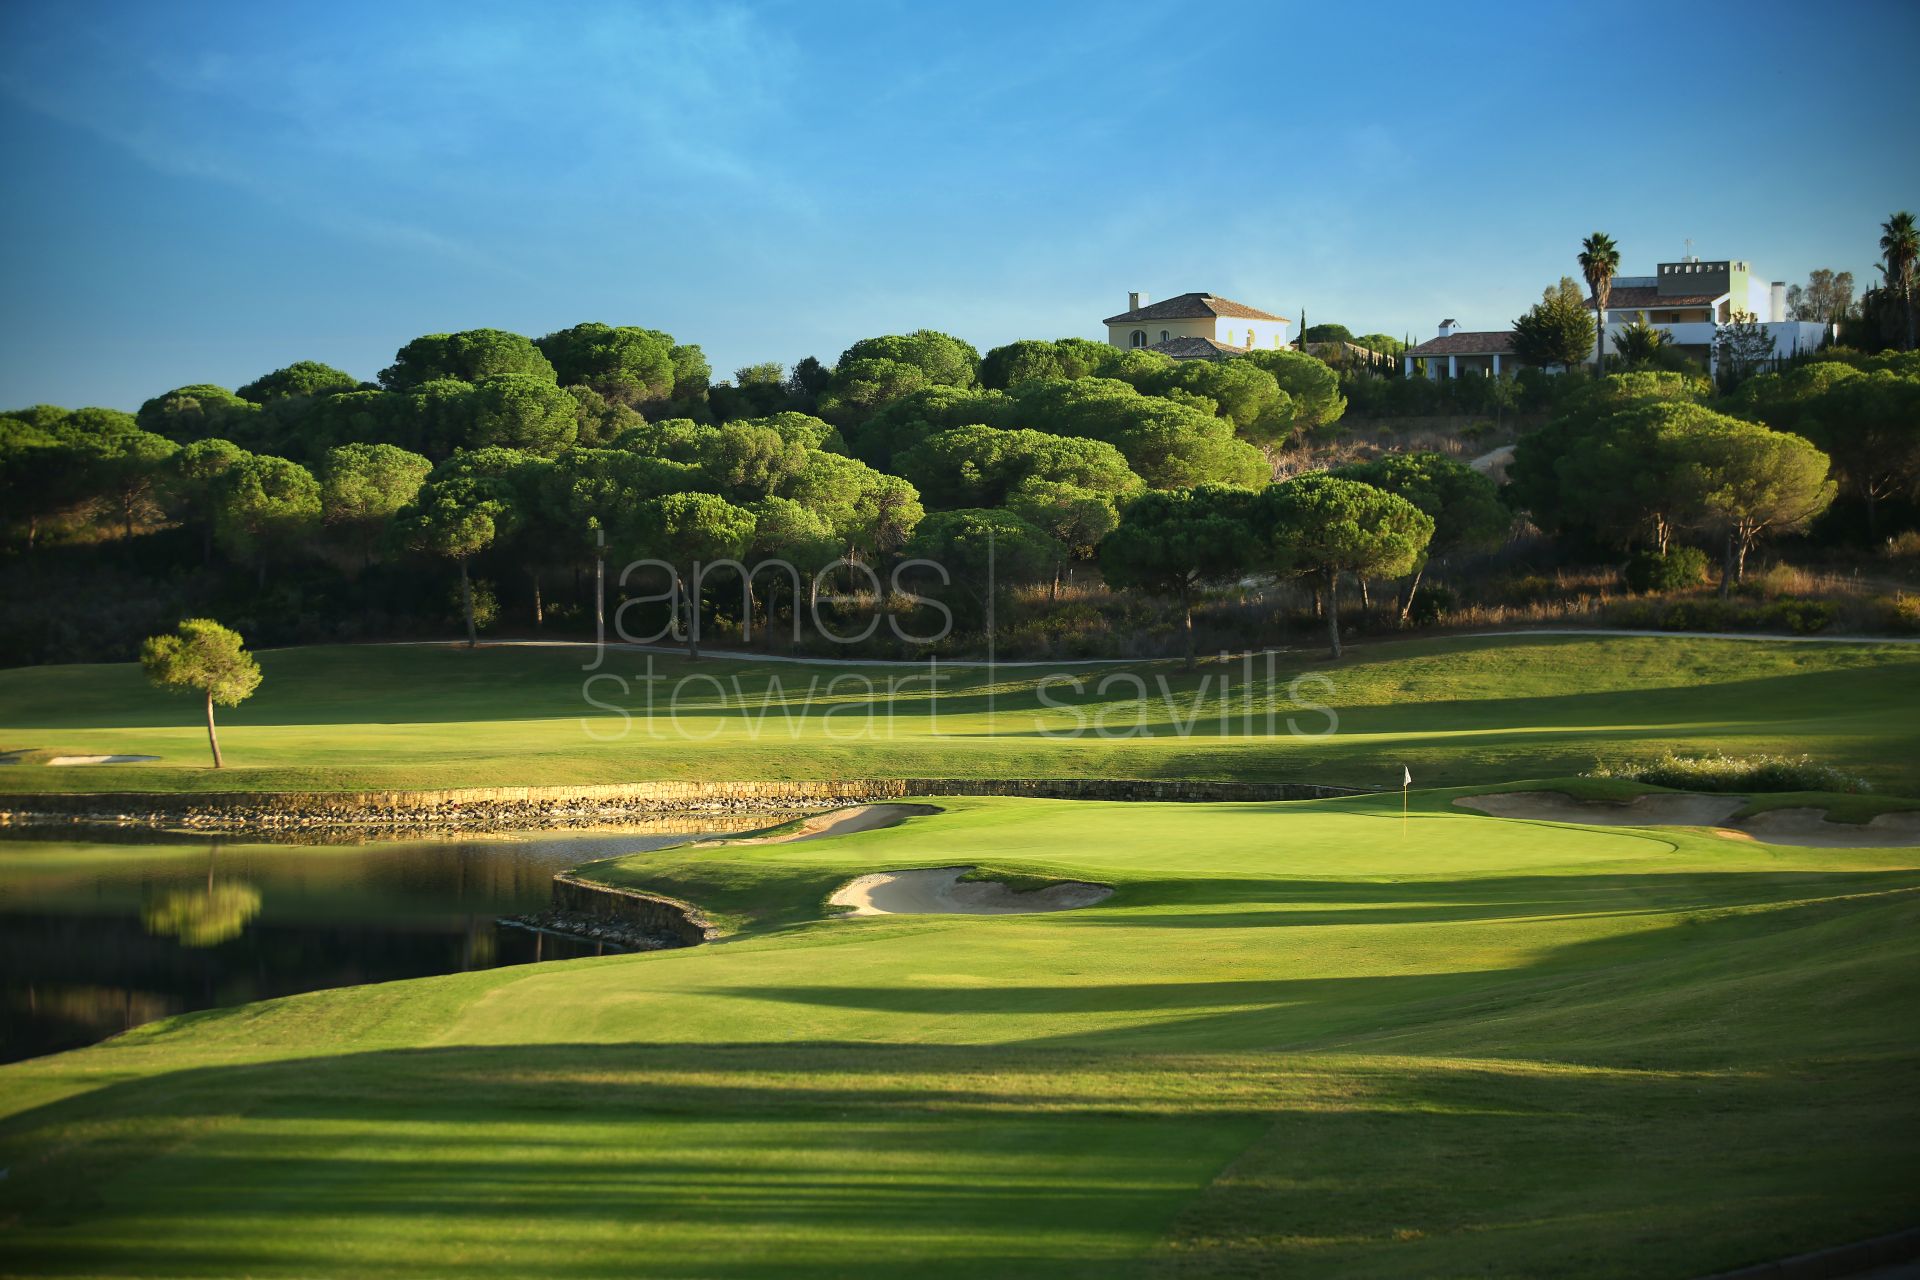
column 646, row 913
column 510, row 807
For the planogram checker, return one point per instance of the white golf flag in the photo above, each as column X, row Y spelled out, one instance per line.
column 1406, row 779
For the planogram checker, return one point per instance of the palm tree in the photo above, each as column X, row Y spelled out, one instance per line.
column 1599, row 259
column 1900, row 245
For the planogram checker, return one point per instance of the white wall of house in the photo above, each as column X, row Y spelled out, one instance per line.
column 1788, row 336
column 1268, row 335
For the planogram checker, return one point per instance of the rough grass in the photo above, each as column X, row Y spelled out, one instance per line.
column 1298, row 1039
column 1454, row 710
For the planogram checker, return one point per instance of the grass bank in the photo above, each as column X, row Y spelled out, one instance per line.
column 1458, row 710
column 1299, row 1039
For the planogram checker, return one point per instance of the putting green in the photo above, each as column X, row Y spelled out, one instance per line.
column 1306, row 1039
column 1457, row 710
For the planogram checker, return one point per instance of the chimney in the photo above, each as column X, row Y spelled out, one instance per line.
column 1777, row 301
column 1447, row 327
column 1135, row 301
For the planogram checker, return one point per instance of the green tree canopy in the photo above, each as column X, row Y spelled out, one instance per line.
column 307, row 378
column 130, row 471
column 186, row 414
column 264, row 508
column 1557, row 330
column 456, row 516
column 520, row 411
column 1321, row 525
column 363, row 486
column 1464, row 504
column 208, row 659
column 985, row 552
column 944, row 359
column 625, row 364
column 979, row 466
column 689, row 529
column 1176, row 542
column 1311, row 385
column 1867, row 422
column 468, row 356
column 597, row 420
column 1756, row 483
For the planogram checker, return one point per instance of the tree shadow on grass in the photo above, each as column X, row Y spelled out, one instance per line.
column 863, row 1160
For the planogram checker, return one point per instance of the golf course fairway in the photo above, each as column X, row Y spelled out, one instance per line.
column 1303, row 1039
column 1455, row 710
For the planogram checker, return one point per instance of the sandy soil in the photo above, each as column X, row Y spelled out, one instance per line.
column 844, row 822
column 1810, row 827
column 1659, row 809
column 1807, row 827
column 940, row 891
column 59, row 760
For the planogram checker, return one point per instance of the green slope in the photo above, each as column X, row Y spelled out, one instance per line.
column 1456, row 710
column 1298, row 1039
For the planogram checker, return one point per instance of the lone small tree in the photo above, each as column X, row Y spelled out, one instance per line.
column 205, row 656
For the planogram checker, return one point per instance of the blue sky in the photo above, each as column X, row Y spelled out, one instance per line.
column 202, row 193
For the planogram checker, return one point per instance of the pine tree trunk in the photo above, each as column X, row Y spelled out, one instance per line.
column 1053, row 596
column 1366, row 596
column 539, row 608
column 213, row 736
column 466, row 605
column 1406, row 609
column 600, row 598
column 693, row 621
column 1186, row 610
column 1333, row 613
column 1726, row 569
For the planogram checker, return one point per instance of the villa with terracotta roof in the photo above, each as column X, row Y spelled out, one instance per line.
column 1195, row 326
column 1691, row 300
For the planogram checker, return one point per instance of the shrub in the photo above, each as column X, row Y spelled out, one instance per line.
column 1734, row 773
column 1800, row 617
column 1432, row 603
column 486, row 605
column 1899, row 612
column 1904, row 546
column 1678, row 570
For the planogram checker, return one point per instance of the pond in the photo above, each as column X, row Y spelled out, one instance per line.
column 102, row 929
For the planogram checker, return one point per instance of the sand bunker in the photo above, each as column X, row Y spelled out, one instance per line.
column 1656, row 809
column 1808, row 827
column 58, row 760
column 941, row 891
column 844, row 822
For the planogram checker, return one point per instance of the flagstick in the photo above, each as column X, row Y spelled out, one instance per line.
column 1403, row 811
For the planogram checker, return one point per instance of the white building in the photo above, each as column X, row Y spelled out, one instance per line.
column 1195, row 325
column 1691, row 300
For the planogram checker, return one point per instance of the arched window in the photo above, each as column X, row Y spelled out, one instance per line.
column 1139, row 338
column 1165, row 336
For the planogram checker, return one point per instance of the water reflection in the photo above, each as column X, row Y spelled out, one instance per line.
column 203, row 917
column 100, row 932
